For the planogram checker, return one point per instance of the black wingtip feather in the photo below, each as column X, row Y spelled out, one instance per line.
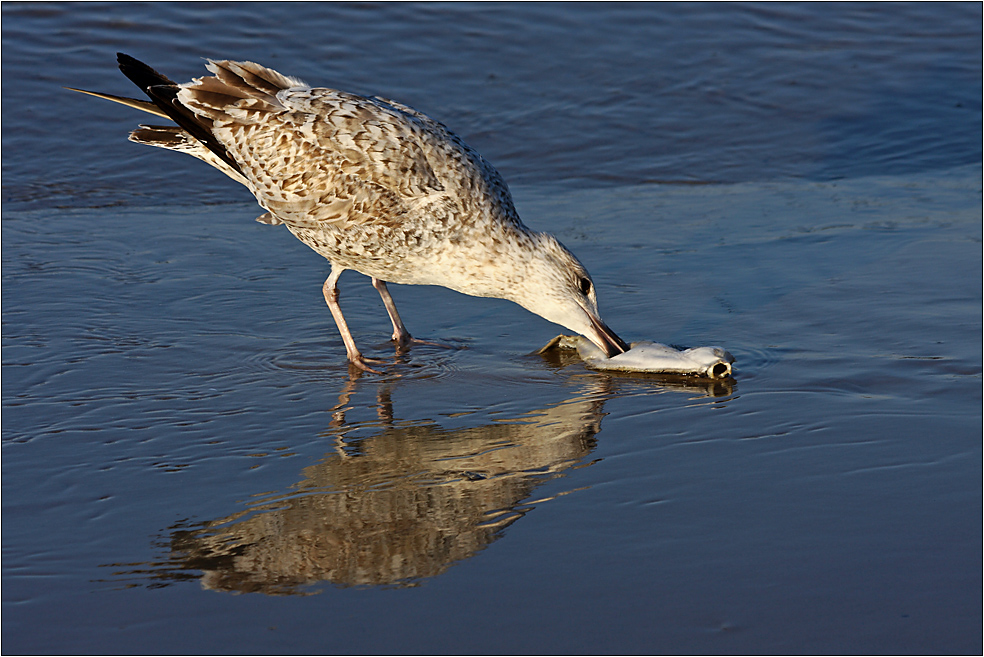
column 140, row 74
column 164, row 92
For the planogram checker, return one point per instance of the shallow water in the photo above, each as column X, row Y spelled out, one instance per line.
column 179, row 423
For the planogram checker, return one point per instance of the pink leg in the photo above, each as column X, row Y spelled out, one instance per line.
column 401, row 335
column 330, row 290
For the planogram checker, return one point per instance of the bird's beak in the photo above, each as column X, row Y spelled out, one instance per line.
column 605, row 338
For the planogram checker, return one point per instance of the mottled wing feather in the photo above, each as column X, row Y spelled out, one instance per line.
column 321, row 158
column 313, row 157
column 471, row 173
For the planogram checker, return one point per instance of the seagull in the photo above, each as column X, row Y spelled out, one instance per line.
column 373, row 186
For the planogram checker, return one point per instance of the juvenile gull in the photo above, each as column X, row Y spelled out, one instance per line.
column 373, row 186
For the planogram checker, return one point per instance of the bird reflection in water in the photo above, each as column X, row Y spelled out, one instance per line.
column 394, row 508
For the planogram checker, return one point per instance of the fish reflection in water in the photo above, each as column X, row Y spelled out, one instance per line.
column 391, row 509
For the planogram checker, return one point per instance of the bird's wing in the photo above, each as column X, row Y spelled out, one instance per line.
column 316, row 156
column 141, row 105
column 462, row 170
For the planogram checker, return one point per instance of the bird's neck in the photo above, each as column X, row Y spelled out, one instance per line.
column 493, row 265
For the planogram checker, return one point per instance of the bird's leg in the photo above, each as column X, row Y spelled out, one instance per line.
column 330, row 290
column 401, row 336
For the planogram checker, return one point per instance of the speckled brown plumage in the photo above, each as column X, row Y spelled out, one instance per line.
column 373, row 186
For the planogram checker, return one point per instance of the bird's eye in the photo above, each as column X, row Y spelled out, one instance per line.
column 585, row 285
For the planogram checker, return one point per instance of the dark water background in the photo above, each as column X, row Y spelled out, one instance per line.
column 798, row 183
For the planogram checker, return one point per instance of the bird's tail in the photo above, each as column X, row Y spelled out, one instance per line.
column 163, row 92
column 170, row 137
column 194, row 134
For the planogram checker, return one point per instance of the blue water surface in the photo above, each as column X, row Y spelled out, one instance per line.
column 189, row 466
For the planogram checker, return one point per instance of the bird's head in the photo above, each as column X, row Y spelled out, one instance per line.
column 557, row 287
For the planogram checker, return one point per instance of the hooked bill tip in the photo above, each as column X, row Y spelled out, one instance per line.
column 607, row 339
